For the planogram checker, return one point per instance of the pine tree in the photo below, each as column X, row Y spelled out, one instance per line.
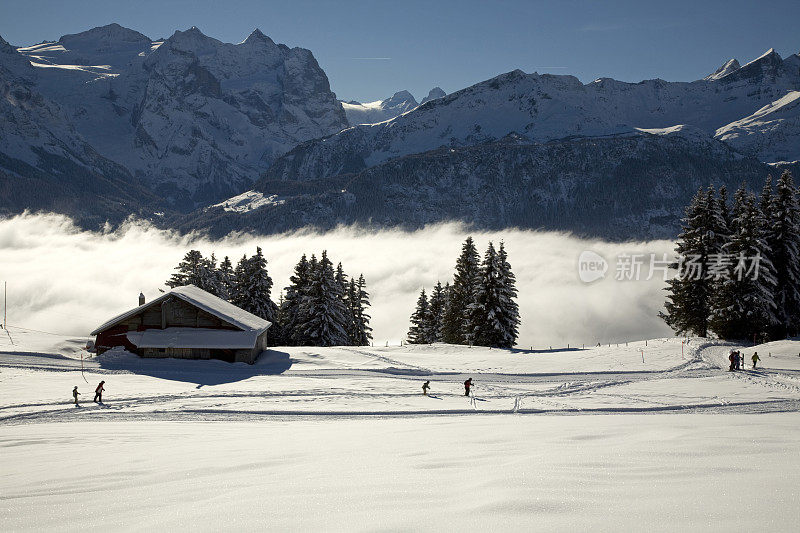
column 361, row 317
column 341, row 280
column 225, row 278
column 326, row 325
column 189, row 270
column 419, row 318
column 457, row 327
column 783, row 237
column 436, row 308
column 294, row 305
column 743, row 302
column 252, row 287
column 508, row 310
column 688, row 306
column 495, row 315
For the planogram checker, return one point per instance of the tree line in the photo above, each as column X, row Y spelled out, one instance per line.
column 747, row 255
column 322, row 305
column 479, row 307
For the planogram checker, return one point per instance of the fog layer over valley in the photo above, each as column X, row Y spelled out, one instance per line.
column 65, row 280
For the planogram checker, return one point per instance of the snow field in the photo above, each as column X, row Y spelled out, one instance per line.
column 506, row 473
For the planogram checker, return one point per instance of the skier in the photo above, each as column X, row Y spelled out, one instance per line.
column 467, row 385
column 737, row 358
column 75, row 394
column 425, row 387
column 755, row 359
column 98, row 393
column 730, row 358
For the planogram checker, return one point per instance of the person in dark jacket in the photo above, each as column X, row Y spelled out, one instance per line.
column 425, row 387
column 730, row 358
column 467, row 386
column 75, row 395
column 98, row 393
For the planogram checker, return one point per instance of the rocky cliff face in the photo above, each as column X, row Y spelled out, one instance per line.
column 194, row 118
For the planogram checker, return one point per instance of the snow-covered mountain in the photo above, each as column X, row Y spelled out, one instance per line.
column 195, row 118
column 379, row 110
column 545, row 108
column 382, row 110
column 45, row 164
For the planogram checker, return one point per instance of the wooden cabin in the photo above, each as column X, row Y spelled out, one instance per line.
column 187, row 323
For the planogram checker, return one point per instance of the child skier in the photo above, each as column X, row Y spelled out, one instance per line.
column 75, row 394
column 755, row 359
column 425, row 387
column 98, row 393
column 467, row 385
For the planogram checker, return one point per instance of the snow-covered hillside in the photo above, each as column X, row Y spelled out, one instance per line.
column 628, row 186
column 350, row 425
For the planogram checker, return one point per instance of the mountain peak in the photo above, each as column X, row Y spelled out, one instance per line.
column 105, row 34
column 258, row 36
column 433, row 94
column 400, row 97
column 728, row 67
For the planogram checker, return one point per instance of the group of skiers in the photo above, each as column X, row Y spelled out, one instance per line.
column 467, row 386
column 737, row 360
column 98, row 393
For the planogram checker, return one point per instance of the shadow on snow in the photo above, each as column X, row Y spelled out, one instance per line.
column 202, row 372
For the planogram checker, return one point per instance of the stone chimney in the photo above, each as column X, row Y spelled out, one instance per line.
column 141, row 298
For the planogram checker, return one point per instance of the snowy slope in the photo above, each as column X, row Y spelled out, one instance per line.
column 772, row 133
column 200, row 444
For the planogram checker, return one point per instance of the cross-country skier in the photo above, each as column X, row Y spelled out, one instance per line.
column 467, row 385
column 755, row 359
column 75, row 394
column 425, row 387
column 98, row 393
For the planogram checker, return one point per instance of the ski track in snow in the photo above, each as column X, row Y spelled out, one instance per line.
column 382, row 382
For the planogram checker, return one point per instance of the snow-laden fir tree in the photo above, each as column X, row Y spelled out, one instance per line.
column 688, row 306
column 252, row 287
column 325, row 309
column 359, row 332
column 194, row 269
column 225, row 278
column 494, row 314
column 294, row 304
column 419, row 321
column 457, row 327
column 783, row 237
column 742, row 305
column 363, row 331
column 341, row 279
column 508, row 311
column 436, row 308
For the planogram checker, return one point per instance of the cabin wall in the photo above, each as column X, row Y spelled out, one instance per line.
column 173, row 313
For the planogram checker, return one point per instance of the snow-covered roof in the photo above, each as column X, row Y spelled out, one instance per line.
column 194, row 338
column 206, row 301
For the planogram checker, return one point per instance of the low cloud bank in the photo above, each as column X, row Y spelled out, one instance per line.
column 65, row 280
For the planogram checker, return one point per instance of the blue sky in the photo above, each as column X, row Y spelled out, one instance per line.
column 370, row 49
